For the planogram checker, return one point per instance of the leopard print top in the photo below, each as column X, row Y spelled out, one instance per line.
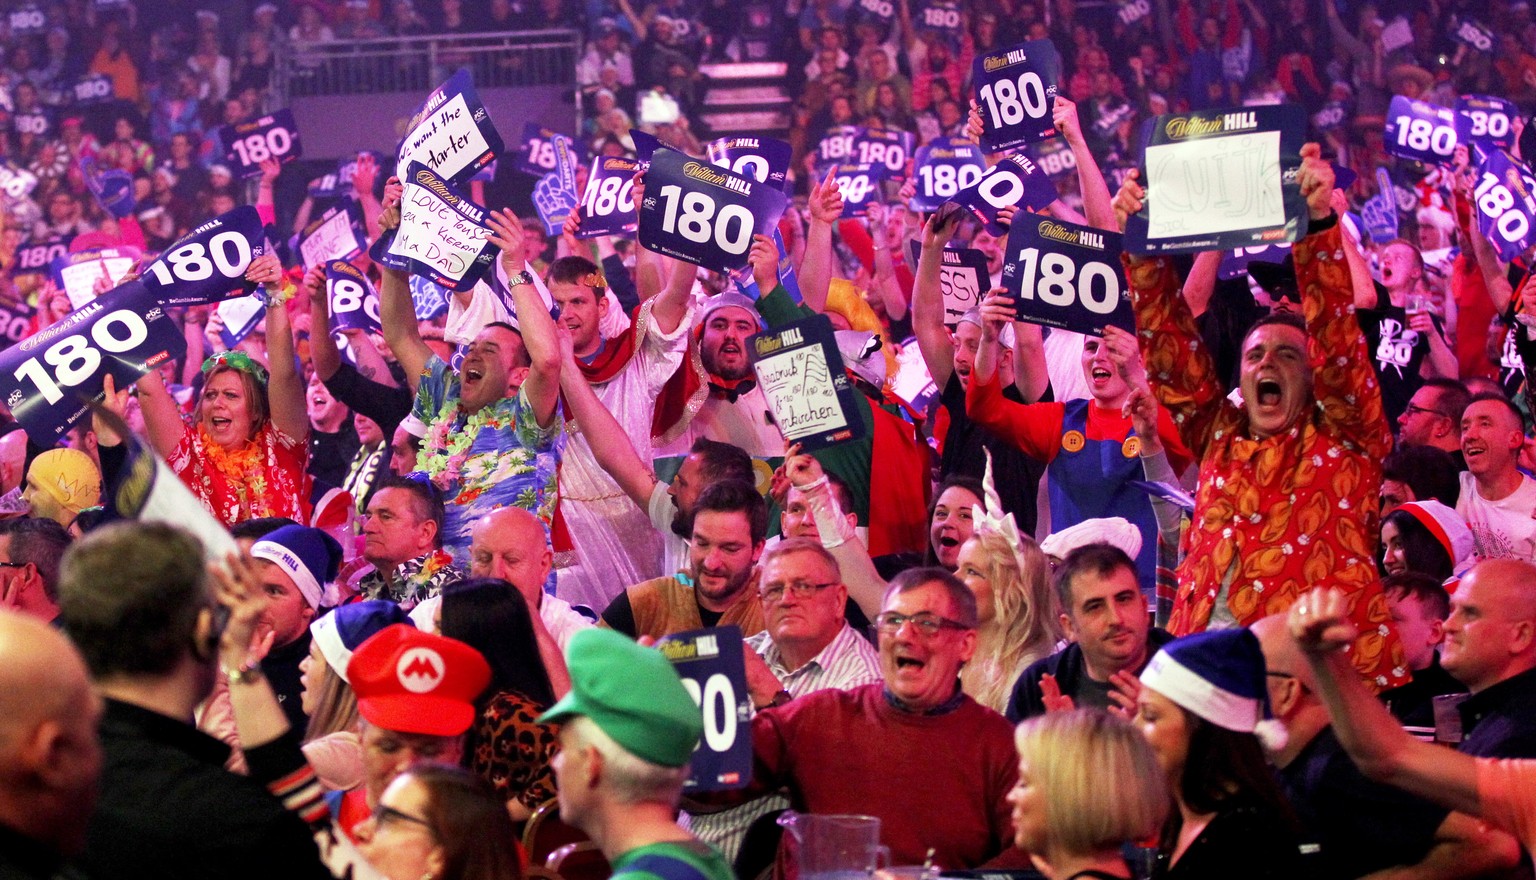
column 511, row 751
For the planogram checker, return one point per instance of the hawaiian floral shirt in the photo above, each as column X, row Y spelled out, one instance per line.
column 269, row 477
column 496, row 457
column 1276, row 517
column 415, row 579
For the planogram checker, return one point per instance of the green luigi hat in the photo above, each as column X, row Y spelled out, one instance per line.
column 633, row 694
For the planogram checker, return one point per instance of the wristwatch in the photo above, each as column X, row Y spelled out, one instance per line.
column 523, row 277
column 780, row 699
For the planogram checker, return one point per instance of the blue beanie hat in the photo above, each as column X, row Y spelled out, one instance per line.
column 1218, row 675
column 307, row 555
column 340, row 633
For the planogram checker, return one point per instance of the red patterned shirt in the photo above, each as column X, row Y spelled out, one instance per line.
column 266, row 478
column 1276, row 517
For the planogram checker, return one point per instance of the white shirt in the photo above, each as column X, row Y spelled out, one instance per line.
column 747, row 424
column 674, row 550
column 1503, row 529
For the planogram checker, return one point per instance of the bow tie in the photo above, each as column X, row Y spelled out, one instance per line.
column 734, row 392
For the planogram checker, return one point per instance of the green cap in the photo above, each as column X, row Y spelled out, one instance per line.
column 633, row 694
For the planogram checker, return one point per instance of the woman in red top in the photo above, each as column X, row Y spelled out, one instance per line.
column 245, row 454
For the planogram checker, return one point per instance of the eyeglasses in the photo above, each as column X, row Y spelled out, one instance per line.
column 798, row 589
column 13, row 565
column 890, row 623
column 383, row 815
column 1414, row 409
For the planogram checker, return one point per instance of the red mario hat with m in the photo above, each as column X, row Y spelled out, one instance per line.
column 410, row 681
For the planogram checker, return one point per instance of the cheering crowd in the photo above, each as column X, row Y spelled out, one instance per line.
column 1247, row 591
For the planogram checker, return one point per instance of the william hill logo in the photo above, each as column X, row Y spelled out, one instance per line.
column 1082, row 237
column 1196, row 126
column 430, row 181
column 707, row 174
column 996, row 62
column 618, row 163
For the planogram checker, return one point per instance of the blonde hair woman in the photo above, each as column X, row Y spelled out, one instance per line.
column 1088, row 784
column 1014, row 601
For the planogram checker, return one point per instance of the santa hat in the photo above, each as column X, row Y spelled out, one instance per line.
column 1448, row 528
column 307, row 555
column 1218, row 675
column 344, row 630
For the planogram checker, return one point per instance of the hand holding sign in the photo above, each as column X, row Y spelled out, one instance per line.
column 800, row 371
column 1506, row 204
column 1015, row 89
column 704, row 215
column 712, row 667
column 208, row 263
column 354, row 304
column 1065, row 275
column 442, row 233
column 451, row 134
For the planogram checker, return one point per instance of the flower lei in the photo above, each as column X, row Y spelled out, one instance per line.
column 242, row 469
column 446, row 450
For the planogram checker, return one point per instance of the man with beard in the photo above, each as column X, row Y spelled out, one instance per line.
column 669, row 505
column 486, row 446
column 1289, row 478
column 730, row 523
column 719, row 381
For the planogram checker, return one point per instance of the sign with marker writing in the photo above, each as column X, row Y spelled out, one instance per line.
column 240, row 315
column 354, row 302
column 208, row 263
column 442, row 233
column 704, row 215
column 77, row 274
column 1016, row 90
column 555, row 196
column 1486, row 121
column 943, row 168
column 888, row 149
column 712, row 667
column 764, row 159
column 339, row 234
column 1420, row 131
column 1064, row 275
column 47, row 378
column 963, row 279
column 1014, row 182
column 36, row 257
column 248, row 144
column 1220, row 179
column 451, row 134
column 1505, row 195
column 800, row 371
column 608, row 208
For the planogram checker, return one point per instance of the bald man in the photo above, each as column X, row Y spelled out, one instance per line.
column 1490, row 646
column 1358, row 826
column 13, row 460
column 50, row 757
column 511, row 544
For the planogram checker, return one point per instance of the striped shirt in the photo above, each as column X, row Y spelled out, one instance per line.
column 847, row 662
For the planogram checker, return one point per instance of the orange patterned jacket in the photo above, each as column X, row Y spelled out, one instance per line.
column 1296, row 510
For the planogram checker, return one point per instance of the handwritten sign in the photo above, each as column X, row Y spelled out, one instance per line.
column 77, row 274
column 248, row 144
column 943, row 168
column 712, row 667
column 442, row 233
column 554, row 196
column 451, row 134
column 1420, row 131
column 47, row 378
column 1015, row 181
column 889, row 149
column 704, row 215
column 1016, row 89
column 339, row 234
column 1486, row 121
column 208, row 263
column 608, row 208
column 963, row 279
column 1064, row 275
column 1505, row 196
column 241, row 316
column 36, row 257
column 1221, row 179
column 354, row 302
column 801, row 374
column 764, row 159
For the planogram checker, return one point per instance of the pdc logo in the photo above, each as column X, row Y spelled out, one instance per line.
column 15, row 399
column 420, row 670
